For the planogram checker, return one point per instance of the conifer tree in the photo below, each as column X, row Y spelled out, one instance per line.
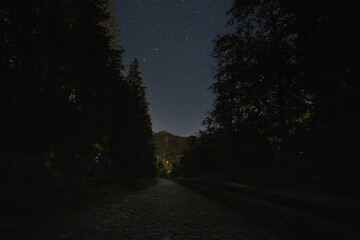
column 136, row 83
column 143, row 129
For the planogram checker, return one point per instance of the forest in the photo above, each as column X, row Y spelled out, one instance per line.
column 71, row 113
column 287, row 91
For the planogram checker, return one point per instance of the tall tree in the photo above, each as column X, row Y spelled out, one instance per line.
column 328, row 36
column 287, row 79
column 257, row 80
column 57, row 94
column 144, row 141
column 133, row 77
column 132, row 144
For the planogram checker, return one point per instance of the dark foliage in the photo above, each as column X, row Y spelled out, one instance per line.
column 67, row 110
column 287, row 84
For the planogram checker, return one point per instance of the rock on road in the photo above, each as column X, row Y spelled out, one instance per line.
column 165, row 211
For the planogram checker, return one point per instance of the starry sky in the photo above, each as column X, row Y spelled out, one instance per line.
column 173, row 41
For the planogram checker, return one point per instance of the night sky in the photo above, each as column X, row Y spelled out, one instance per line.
column 172, row 39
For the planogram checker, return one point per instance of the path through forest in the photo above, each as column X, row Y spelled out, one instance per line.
column 165, row 211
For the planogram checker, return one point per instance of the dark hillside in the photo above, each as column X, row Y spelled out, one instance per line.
column 169, row 145
column 169, row 151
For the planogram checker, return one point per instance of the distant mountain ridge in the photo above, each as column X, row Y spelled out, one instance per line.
column 170, row 145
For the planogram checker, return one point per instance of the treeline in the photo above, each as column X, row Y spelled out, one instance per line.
column 68, row 107
column 287, row 87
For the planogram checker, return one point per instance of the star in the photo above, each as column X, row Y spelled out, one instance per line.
column 173, row 40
